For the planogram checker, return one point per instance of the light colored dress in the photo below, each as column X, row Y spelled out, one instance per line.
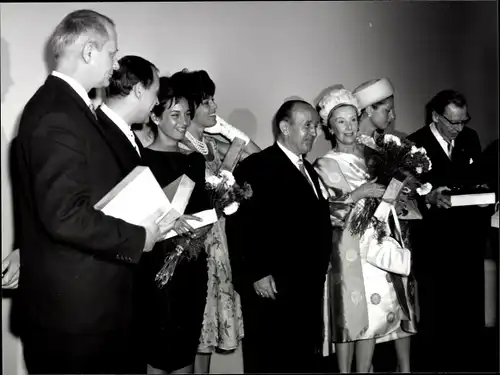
column 223, row 322
column 361, row 299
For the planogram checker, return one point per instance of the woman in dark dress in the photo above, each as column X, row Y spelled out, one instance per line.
column 172, row 315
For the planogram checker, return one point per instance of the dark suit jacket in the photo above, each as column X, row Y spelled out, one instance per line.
column 486, row 170
column 76, row 263
column 449, row 243
column 456, row 171
column 283, row 230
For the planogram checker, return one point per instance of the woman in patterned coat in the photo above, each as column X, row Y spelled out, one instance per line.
column 362, row 304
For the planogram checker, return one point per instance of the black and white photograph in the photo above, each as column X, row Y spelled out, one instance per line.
column 250, row 187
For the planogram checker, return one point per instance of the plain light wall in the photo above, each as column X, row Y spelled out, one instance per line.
column 258, row 54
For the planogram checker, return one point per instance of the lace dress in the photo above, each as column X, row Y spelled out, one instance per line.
column 222, row 322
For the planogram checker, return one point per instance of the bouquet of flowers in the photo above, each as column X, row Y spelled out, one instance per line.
column 388, row 157
column 187, row 247
column 225, row 193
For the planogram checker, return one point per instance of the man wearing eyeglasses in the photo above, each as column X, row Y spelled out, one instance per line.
column 449, row 244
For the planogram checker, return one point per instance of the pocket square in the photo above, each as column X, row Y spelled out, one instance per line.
column 471, row 161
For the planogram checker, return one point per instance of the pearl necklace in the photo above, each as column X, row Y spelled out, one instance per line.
column 200, row 146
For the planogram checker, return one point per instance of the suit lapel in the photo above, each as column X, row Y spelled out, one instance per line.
column 459, row 154
column 60, row 83
column 314, row 177
column 122, row 148
column 435, row 150
column 297, row 180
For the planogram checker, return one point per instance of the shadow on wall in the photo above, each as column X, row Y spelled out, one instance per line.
column 14, row 313
column 48, row 57
column 244, row 120
column 7, row 83
column 6, row 79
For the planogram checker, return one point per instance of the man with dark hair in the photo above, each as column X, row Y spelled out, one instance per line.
column 76, row 277
column 279, row 243
column 131, row 96
column 449, row 244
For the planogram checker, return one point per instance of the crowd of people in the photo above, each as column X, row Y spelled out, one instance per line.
column 285, row 276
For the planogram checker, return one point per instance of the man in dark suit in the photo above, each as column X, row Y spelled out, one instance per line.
column 131, row 95
column 77, row 264
column 279, row 243
column 449, row 244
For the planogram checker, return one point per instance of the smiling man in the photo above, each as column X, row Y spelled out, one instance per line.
column 279, row 243
column 131, row 95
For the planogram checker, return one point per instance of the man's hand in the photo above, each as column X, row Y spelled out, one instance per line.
column 266, row 287
column 10, row 270
column 438, row 199
column 181, row 225
column 156, row 231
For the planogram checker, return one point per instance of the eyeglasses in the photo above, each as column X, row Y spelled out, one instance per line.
column 456, row 123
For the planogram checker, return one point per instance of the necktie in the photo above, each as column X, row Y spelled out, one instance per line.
column 135, row 141
column 450, row 149
column 92, row 109
column 302, row 170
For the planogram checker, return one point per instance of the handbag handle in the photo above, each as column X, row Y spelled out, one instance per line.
column 397, row 226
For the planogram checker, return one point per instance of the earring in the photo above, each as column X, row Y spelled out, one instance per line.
column 155, row 119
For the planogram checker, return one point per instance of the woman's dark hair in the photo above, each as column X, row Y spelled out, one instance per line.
column 441, row 100
column 168, row 95
column 195, row 86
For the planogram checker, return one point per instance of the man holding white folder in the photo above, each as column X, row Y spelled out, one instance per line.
column 76, row 279
column 449, row 244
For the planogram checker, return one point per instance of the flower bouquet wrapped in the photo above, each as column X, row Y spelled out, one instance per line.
column 395, row 163
column 187, row 247
column 225, row 193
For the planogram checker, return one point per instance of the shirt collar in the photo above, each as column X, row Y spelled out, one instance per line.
column 295, row 159
column 116, row 118
column 75, row 85
column 443, row 142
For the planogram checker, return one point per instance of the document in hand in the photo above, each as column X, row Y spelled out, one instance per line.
column 139, row 195
column 179, row 192
column 207, row 217
column 472, row 199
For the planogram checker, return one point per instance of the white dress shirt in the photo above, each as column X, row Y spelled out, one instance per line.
column 75, row 85
column 444, row 144
column 122, row 125
column 295, row 160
